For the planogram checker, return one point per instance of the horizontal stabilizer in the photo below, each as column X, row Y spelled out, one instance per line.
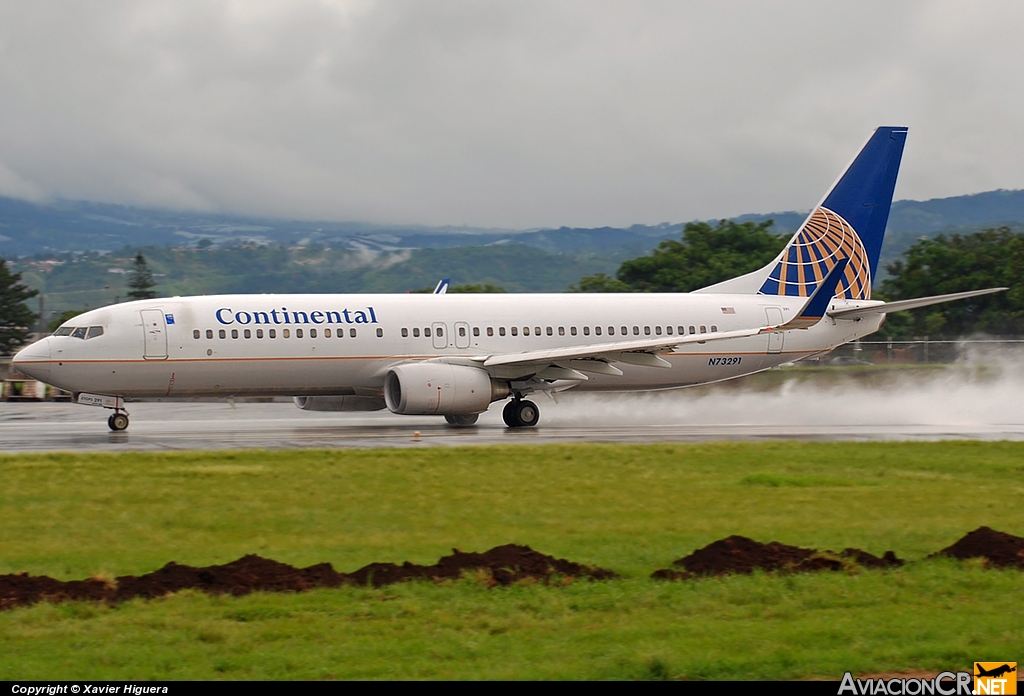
column 902, row 305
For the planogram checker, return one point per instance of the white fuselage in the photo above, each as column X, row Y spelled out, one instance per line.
column 345, row 344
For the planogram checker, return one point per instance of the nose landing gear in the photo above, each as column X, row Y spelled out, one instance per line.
column 520, row 414
column 118, row 421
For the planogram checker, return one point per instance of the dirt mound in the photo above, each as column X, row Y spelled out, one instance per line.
column 1000, row 549
column 504, row 564
column 738, row 554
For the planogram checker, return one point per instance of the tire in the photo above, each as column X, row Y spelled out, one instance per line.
column 527, row 414
column 118, row 422
column 462, row 420
column 508, row 414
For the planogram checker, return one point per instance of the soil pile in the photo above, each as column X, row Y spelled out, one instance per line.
column 738, row 554
column 503, row 564
column 999, row 549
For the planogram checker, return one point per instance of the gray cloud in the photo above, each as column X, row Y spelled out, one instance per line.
column 502, row 114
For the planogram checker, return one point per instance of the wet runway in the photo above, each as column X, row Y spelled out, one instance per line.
column 947, row 409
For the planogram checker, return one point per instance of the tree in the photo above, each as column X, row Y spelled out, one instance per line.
column 140, row 282
column 16, row 318
column 956, row 263
column 705, row 255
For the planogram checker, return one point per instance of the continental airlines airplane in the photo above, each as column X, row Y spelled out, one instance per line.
column 453, row 355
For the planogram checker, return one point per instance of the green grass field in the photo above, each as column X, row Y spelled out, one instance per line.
column 632, row 509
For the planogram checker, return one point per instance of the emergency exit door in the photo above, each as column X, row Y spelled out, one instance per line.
column 775, row 338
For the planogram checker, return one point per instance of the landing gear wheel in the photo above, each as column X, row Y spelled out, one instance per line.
column 527, row 413
column 462, row 420
column 508, row 414
column 520, row 414
column 118, row 422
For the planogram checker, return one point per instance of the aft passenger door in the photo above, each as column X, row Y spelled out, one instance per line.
column 776, row 338
column 154, row 326
column 440, row 332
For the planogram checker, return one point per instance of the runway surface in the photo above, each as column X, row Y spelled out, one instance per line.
column 943, row 408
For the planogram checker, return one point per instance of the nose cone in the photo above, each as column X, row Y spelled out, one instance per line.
column 34, row 360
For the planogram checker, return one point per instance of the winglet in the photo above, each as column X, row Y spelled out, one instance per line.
column 817, row 303
column 442, row 286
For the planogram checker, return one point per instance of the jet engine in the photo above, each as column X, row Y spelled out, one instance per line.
column 434, row 388
column 340, row 403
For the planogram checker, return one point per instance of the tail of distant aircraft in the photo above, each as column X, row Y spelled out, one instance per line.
column 848, row 224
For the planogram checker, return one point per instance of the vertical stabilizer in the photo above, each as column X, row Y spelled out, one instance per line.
column 848, row 224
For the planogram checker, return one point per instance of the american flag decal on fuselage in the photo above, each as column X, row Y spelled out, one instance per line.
column 824, row 240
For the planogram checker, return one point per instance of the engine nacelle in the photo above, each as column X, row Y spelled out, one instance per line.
column 340, row 403
column 434, row 388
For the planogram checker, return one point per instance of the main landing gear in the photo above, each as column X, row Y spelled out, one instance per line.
column 118, row 421
column 520, row 414
column 463, row 420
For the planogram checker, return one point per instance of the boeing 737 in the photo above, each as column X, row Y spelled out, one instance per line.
column 453, row 355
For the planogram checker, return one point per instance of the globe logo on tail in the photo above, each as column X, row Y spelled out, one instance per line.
column 824, row 240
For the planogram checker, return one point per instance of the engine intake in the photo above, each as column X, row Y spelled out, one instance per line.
column 434, row 388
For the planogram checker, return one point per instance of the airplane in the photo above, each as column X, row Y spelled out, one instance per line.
column 454, row 355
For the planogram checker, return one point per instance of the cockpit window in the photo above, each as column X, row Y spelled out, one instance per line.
column 64, row 331
column 94, row 331
column 79, row 332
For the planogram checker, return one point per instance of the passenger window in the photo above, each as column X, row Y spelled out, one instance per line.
column 222, row 333
column 327, row 333
column 380, row 333
column 209, row 333
column 79, row 332
column 405, row 333
column 572, row 330
column 298, row 333
column 476, row 331
column 195, row 334
column 490, row 331
column 657, row 330
column 647, row 331
column 352, row 333
column 668, row 330
column 234, row 333
column 693, row 329
column 514, row 330
column 623, row 330
column 548, row 331
column 259, row 333
column 714, row 329
column 439, row 331
column 285, row 333
column 682, row 330
column 536, row 331
column 611, row 330
column 462, row 332
column 526, row 330
column 703, row 329
column 501, row 330
column 561, row 330
column 272, row 333
column 247, row 333
column 636, row 330
column 415, row 333
column 597, row 330
column 312, row 333
column 426, row 332
column 586, row 330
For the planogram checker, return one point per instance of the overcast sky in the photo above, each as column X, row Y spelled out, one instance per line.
column 505, row 114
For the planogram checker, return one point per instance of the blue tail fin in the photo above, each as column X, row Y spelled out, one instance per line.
column 849, row 223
